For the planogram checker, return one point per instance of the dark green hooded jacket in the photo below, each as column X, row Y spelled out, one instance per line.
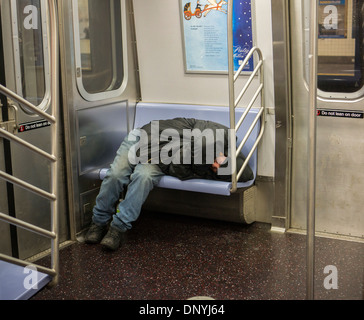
column 186, row 148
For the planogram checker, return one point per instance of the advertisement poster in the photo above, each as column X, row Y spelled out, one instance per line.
column 332, row 19
column 205, row 35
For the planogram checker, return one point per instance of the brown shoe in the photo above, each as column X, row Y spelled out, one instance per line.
column 95, row 234
column 112, row 240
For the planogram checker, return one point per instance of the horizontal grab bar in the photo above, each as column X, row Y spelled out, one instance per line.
column 255, row 146
column 250, row 80
column 250, row 131
column 22, row 101
column 27, row 145
column 26, row 264
column 240, row 122
column 27, row 186
column 27, row 226
column 246, row 60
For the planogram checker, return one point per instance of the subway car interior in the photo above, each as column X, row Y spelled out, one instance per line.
column 286, row 77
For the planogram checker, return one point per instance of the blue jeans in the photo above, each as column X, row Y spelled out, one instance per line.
column 139, row 179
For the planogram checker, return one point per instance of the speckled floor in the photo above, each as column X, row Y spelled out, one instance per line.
column 169, row 257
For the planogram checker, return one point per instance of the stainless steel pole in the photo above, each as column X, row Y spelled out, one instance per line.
column 312, row 130
column 54, row 49
column 232, row 142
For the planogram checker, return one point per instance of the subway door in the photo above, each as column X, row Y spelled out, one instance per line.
column 340, row 123
column 25, row 70
column 100, row 90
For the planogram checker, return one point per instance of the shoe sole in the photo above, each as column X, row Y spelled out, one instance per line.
column 108, row 247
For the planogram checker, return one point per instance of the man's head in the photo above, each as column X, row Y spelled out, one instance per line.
column 220, row 161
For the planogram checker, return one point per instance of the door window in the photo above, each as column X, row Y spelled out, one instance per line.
column 99, row 43
column 340, row 47
column 30, row 45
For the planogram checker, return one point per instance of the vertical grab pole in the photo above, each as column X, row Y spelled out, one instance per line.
column 312, row 130
column 54, row 53
column 231, row 73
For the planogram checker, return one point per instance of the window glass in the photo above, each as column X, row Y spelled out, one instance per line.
column 340, row 45
column 100, row 46
column 29, row 42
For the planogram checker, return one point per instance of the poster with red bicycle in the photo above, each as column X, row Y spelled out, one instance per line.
column 205, row 35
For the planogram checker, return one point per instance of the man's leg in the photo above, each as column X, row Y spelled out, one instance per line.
column 116, row 179
column 144, row 178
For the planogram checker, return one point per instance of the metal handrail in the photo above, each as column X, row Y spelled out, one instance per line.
column 12, row 95
column 27, row 186
column 52, row 195
column 233, row 102
column 28, row 226
column 250, row 80
column 11, row 137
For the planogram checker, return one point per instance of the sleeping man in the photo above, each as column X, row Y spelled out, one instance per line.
column 183, row 148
